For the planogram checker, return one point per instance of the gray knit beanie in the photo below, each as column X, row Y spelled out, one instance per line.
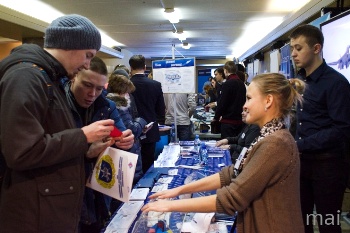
column 72, row 32
column 121, row 72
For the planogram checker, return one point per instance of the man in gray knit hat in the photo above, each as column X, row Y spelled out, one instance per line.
column 43, row 151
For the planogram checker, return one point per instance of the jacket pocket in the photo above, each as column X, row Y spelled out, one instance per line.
column 59, row 204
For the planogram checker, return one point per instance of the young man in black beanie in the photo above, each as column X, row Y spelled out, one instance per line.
column 42, row 188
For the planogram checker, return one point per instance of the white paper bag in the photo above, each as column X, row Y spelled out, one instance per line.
column 113, row 173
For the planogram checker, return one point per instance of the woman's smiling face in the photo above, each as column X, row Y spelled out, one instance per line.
column 255, row 106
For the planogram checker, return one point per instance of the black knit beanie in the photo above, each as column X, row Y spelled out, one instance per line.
column 72, row 32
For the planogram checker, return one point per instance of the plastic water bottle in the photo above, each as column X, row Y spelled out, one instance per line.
column 196, row 143
column 172, row 134
column 196, row 148
column 204, row 154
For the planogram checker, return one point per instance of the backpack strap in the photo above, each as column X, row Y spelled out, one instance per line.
column 47, row 80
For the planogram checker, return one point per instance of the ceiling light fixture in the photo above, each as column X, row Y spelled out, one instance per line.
column 181, row 35
column 186, row 45
column 172, row 15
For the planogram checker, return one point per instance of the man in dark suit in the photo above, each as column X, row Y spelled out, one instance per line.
column 150, row 106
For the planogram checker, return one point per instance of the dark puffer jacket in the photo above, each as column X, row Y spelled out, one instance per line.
column 125, row 106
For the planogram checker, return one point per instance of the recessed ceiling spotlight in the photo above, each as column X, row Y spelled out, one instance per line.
column 172, row 15
column 181, row 35
column 186, row 45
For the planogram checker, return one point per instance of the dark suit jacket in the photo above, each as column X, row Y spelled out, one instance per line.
column 150, row 103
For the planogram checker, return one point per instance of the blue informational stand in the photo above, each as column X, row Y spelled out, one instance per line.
column 203, row 76
column 163, row 141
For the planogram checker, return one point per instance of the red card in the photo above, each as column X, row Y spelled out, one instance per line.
column 115, row 133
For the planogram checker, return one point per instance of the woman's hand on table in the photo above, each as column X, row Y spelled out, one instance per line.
column 165, row 194
column 158, row 206
column 221, row 143
column 225, row 147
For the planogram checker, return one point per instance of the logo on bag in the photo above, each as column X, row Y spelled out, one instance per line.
column 105, row 172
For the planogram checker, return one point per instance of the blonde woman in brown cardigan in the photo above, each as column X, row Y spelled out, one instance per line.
column 264, row 188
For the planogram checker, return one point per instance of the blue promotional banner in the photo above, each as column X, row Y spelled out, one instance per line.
column 175, row 75
column 203, row 77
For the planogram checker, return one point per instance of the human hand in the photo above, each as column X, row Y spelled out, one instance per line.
column 147, row 127
column 221, row 142
column 225, row 147
column 157, row 206
column 97, row 147
column 165, row 194
column 126, row 141
column 98, row 130
column 211, row 105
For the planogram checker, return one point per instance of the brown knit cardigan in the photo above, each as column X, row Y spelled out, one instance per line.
column 266, row 193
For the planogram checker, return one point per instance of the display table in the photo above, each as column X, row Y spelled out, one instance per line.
column 208, row 135
column 215, row 164
column 203, row 117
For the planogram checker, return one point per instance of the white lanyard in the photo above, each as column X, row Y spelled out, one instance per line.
column 239, row 160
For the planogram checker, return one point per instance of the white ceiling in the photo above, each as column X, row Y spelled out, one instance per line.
column 215, row 28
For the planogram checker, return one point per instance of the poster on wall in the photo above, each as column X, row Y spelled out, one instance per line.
column 203, row 77
column 250, row 71
column 175, row 75
column 336, row 48
column 275, row 61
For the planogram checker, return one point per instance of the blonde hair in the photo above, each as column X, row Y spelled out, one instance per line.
column 120, row 84
column 288, row 92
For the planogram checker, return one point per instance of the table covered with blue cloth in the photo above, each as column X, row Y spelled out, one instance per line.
column 214, row 165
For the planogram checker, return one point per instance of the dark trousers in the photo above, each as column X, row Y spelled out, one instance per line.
column 322, row 184
column 184, row 132
column 147, row 155
column 230, row 130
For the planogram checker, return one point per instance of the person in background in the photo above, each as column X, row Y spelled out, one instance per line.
column 121, row 72
column 121, row 67
column 244, row 139
column 43, row 185
column 240, row 67
column 213, row 93
column 120, row 89
column 322, row 131
column 213, row 83
column 241, row 76
column 265, row 184
column 209, row 93
column 246, row 76
column 220, row 79
column 150, row 106
column 84, row 95
column 185, row 107
column 229, row 108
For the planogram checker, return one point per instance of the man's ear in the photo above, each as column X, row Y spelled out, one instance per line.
column 317, row 48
